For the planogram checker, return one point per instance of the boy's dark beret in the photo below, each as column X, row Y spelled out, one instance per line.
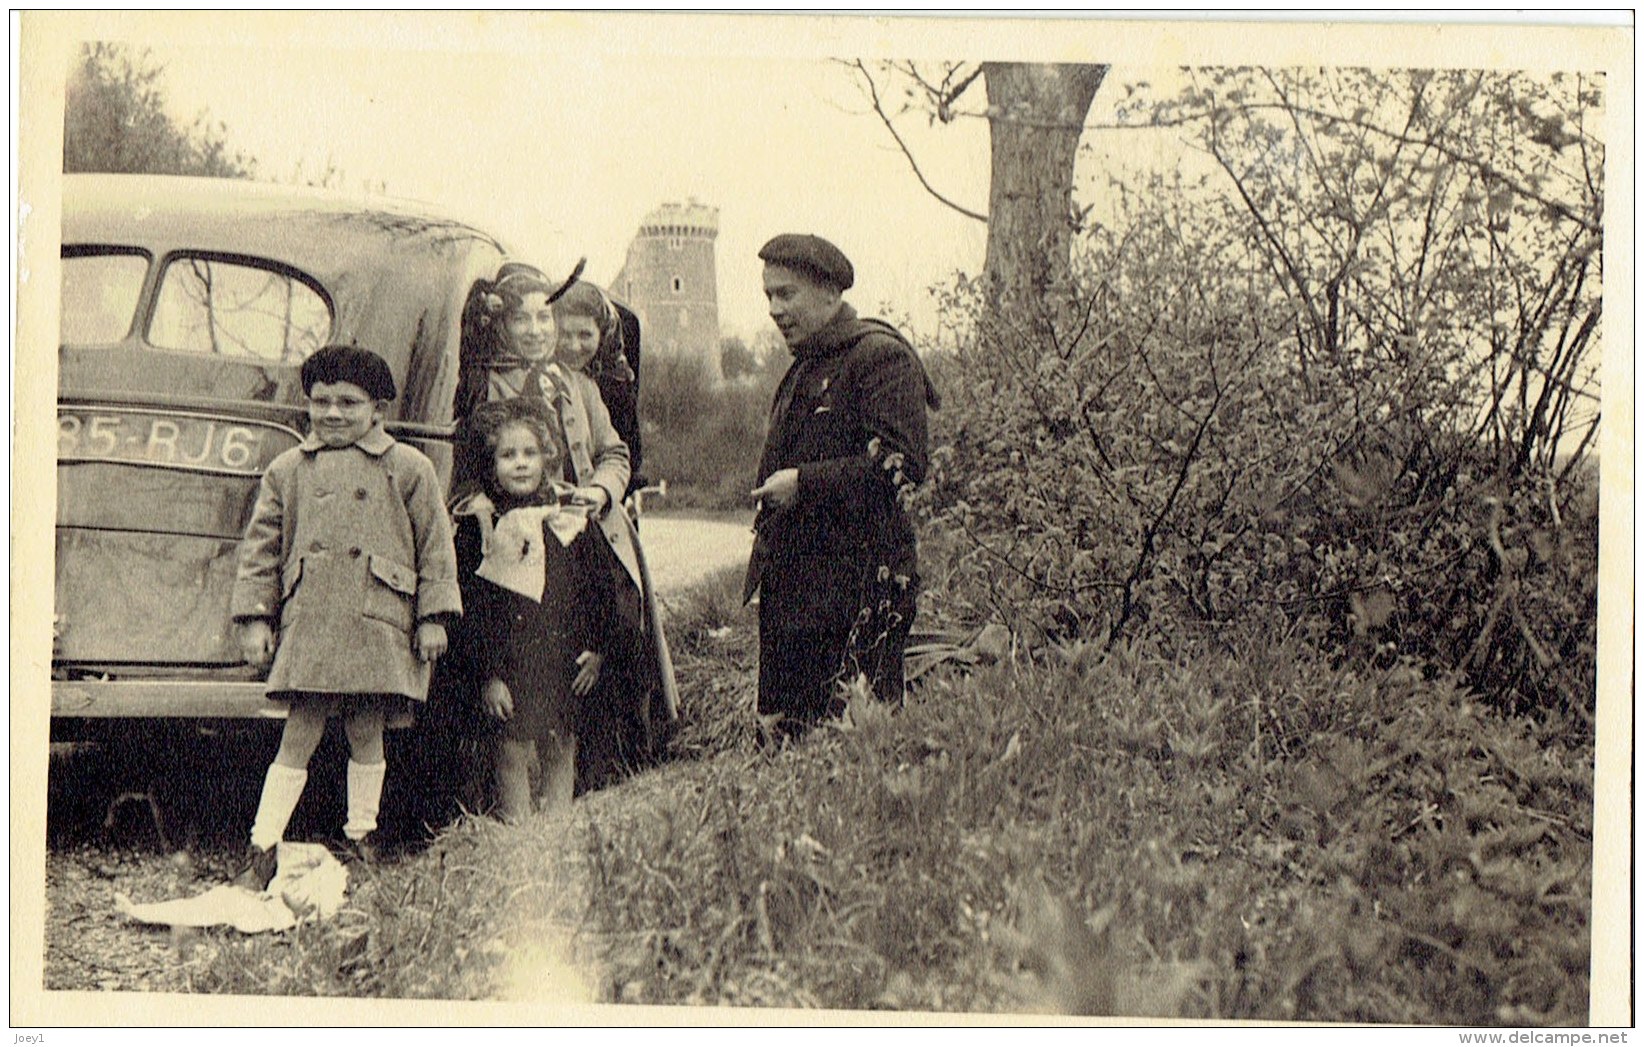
column 350, row 363
column 811, row 255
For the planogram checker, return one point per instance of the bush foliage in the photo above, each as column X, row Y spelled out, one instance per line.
column 1372, row 418
column 704, row 437
column 115, row 120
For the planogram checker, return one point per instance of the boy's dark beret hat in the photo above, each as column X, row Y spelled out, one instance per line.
column 349, row 363
column 812, row 255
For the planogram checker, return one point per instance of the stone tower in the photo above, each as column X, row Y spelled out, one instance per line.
column 670, row 281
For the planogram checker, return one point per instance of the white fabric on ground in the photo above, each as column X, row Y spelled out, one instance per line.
column 310, row 883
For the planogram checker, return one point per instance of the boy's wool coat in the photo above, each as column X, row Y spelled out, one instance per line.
column 348, row 549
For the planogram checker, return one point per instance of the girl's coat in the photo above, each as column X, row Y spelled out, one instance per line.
column 599, row 458
column 527, row 627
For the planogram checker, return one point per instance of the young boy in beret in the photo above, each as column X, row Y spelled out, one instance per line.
column 347, row 577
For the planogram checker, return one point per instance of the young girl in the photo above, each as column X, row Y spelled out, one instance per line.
column 346, row 581
column 538, row 608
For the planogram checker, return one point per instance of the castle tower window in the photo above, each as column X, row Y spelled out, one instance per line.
column 679, row 285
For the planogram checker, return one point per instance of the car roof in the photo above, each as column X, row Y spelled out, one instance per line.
column 317, row 231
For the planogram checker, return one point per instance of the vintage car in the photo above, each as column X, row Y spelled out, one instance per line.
column 188, row 306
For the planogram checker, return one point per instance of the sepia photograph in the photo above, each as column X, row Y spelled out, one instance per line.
column 683, row 519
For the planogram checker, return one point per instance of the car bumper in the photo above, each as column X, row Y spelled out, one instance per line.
column 189, row 699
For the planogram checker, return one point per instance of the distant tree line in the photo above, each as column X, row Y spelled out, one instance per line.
column 739, row 361
column 115, row 120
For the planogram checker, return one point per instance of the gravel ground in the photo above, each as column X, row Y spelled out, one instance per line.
column 91, row 946
column 103, row 836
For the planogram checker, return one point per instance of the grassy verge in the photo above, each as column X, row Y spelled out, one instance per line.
column 1233, row 833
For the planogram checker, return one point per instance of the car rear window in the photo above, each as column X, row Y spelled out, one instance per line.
column 238, row 308
column 99, row 295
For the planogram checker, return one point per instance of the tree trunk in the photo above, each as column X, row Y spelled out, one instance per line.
column 1036, row 114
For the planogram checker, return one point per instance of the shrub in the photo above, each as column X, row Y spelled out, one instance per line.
column 1116, row 486
column 703, row 437
column 1218, row 421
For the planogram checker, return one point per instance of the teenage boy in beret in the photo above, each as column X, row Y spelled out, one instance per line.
column 834, row 560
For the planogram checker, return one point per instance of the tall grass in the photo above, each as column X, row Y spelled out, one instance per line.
column 1244, row 833
column 1240, row 830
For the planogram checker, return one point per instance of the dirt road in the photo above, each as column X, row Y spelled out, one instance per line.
column 681, row 551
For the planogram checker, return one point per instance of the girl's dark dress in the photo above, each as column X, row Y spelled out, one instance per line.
column 532, row 646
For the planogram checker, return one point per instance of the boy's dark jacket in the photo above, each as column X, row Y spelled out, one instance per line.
column 854, row 397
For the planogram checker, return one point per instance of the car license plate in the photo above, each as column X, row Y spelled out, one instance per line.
column 170, row 440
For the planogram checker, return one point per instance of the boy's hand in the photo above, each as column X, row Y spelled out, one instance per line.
column 431, row 641
column 256, row 638
column 588, row 666
column 499, row 701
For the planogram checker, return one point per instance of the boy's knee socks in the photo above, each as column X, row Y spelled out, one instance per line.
column 364, row 797
column 282, row 788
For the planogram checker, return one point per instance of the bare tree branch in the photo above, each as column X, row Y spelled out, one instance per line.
column 884, row 118
column 1484, row 167
column 941, row 95
column 944, row 104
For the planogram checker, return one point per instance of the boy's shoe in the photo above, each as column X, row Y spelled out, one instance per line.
column 366, row 852
column 258, row 872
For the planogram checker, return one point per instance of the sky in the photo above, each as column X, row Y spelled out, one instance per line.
column 563, row 159
column 559, row 133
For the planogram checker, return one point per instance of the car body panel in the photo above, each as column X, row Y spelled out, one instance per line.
column 160, row 450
